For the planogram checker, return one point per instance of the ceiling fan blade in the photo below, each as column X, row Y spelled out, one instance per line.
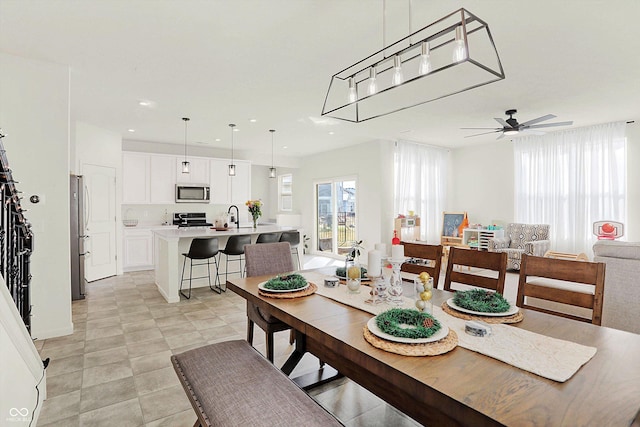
column 538, row 120
column 502, row 122
column 484, row 133
column 548, row 125
column 495, row 129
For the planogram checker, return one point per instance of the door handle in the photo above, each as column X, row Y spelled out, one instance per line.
column 87, row 207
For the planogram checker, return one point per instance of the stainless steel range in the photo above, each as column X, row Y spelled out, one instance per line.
column 191, row 219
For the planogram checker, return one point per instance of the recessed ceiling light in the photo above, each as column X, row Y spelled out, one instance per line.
column 285, row 147
column 331, row 133
column 218, row 140
column 131, row 130
column 144, row 103
column 253, row 120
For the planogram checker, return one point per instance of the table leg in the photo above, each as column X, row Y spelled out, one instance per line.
column 297, row 354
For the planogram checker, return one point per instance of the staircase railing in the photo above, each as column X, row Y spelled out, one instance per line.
column 16, row 241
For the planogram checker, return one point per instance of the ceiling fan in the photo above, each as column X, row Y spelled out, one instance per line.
column 511, row 126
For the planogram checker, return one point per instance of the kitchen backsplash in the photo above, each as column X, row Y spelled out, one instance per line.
column 155, row 214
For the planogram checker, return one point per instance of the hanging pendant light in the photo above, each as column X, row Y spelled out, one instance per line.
column 232, row 166
column 459, row 47
column 397, row 70
column 373, row 86
column 272, row 169
column 353, row 94
column 425, row 62
column 185, row 164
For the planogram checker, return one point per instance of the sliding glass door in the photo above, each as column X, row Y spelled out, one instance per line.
column 336, row 226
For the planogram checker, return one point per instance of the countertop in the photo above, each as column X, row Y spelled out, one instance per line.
column 172, row 233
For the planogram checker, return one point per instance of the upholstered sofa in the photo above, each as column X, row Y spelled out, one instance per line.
column 530, row 239
column 621, row 305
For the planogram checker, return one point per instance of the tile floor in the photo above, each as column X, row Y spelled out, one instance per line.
column 114, row 370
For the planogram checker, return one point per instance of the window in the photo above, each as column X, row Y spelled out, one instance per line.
column 285, row 193
column 571, row 179
column 420, row 185
column 336, row 215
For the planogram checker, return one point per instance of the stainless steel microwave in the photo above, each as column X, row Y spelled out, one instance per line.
column 192, row 193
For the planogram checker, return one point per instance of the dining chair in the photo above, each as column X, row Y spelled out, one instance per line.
column 235, row 248
column 567, row 288
column 266, row 259
column 423, row 252
column 495, row 262
column 293, row 237
column 268, row 237
column 203, row 249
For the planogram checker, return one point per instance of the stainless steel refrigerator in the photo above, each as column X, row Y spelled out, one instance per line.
column 77, row 236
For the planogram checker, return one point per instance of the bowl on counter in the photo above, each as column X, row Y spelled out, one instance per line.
column 130, row 222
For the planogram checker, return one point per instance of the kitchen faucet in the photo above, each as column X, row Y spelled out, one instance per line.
column 237, row 220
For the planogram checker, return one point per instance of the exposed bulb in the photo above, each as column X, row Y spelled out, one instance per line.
column 425, row 62
column 353, row 95
column 397, row 71
column 185, row 167
column 272, row 172
column 372, row 88
column 459, row 48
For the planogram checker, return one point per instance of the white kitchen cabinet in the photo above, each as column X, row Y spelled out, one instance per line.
column 163, row 179
column 241, row 184
column 135, row 178
column 219, row 173
column 198, row 170
column 227, row 189
column 138, row 249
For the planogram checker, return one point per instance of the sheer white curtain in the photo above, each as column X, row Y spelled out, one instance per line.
column 570, row 179
column 420, row 185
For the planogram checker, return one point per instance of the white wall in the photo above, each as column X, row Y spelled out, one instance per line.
column 482, row 182
column 372, row 164
column 633, row 183
column 21, row 369
column 34, row 112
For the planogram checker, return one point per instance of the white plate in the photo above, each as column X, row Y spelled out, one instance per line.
column 513, row 310
column 262, row 288
column 375, row 330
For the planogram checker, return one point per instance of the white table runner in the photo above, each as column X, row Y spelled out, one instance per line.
column 548, row 357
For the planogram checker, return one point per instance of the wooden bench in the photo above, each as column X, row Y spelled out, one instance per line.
column 231, row 384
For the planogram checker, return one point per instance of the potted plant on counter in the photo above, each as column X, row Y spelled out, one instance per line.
column 254, row 207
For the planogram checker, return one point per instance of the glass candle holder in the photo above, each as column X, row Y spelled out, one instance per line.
column 353, row 273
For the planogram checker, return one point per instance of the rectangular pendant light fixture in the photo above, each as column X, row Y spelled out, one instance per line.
column 451, row 55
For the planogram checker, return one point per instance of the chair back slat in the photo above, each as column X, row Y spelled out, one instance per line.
column 427, row 252
column 578, row 273
column 494, row 261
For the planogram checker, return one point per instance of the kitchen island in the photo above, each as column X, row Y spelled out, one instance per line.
column 169, row 245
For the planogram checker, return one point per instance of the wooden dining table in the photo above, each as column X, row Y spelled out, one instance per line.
column 462, row 387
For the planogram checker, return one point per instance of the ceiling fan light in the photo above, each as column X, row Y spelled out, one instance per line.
column 511, row 132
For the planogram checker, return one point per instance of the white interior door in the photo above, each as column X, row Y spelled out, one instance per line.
column 100, row 217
